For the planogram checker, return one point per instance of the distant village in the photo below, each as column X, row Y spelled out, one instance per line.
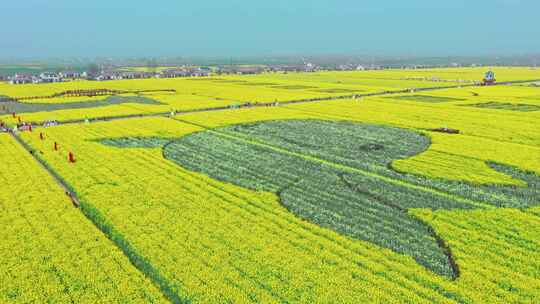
column 103, row 75
column 120, row 73
column 175, row 72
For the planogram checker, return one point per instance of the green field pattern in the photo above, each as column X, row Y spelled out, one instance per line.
column 338, row 175
column 520, row 107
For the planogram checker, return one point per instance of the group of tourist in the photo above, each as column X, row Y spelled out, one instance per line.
column 24, row 126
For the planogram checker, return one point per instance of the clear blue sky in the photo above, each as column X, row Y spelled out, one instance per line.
column 55, row 28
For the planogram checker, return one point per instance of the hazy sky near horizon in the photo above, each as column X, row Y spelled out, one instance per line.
column 56, row 28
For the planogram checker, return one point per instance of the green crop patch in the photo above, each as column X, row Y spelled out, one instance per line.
column 20, row 107
column 293, row 87
column 520, row 107
column 338, row 175
column 426, row 98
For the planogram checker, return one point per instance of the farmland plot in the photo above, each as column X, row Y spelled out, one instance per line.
column 184, row 94
column 19, row 107
column 217, row 242
column 50, row 251
column 350, row 201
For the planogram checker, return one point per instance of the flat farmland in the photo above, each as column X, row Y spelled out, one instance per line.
column 244, row 194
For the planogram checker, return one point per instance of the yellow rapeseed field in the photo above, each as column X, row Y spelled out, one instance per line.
column 50, row 251
column 209, row 241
